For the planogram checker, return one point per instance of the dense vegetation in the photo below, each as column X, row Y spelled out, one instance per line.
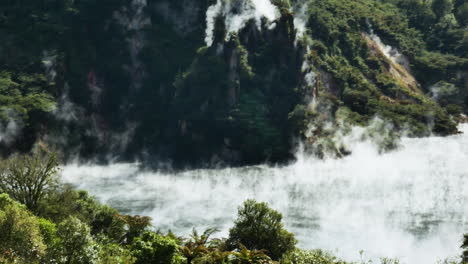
column 139, row 81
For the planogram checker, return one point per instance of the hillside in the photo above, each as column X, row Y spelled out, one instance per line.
column 233, row 82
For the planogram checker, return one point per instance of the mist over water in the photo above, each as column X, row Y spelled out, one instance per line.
column 411, row 203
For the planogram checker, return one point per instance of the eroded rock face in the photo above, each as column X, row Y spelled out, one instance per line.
column 397, row 63
column 257, row 67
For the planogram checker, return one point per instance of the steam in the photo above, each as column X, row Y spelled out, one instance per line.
column 237, row 13
column 410, row 204
column 65, row 109
column 441, row 90
column 49, row 60
column 390, row 52
column 10, row 130
column 300, row 18
column 300, row 24
column 309, row 74
column 135, row 20
column 336, row 138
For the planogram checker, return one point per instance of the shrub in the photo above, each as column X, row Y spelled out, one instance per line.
column 21, row 240
column 155, row 249
column 76, row 243
column 28, row 178
column 300, row 256
column 115, row 254
column 259, row 227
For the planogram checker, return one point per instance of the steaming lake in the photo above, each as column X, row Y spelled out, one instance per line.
column 411, row 203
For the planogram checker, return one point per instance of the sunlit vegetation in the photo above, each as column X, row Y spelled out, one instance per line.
column 365, row 80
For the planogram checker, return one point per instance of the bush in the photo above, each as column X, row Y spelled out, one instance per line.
column 155, row 249
column 115, row 254
column 259, row 227
column 101, row 219
column 300, row 256
column 29, row 178
column 76, row 243
column 20, row 239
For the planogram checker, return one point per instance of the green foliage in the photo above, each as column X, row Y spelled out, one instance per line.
column 256, row 134
column 76, row 229
column 51, row 240
column 300, row 256
column 29, row 178
column 21, row 240
column 76, row 243
column 197, row 246
column 48, row 232
column 442, row 7
column 462, row 14
column 115, row 254
column 135, row 226
column 367, row 81
column 239, row 100
column 245, row 256
column 157, row 249
column 21, row 96
column 101, row 219
column 259, row 227
column 226, row 106
column 465, row 249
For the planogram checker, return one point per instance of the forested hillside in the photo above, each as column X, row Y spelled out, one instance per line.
column 239, row 81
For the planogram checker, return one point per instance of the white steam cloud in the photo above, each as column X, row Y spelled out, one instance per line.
column 390, row 52
column 49, row 60
column 237, row 13
column 65, row 109
column 307, row 70
column 9, row 131
column 300, row 18
column 135, row 20
column 411, row 203
column 300, row 24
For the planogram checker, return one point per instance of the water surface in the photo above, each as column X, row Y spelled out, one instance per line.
column 411, row 203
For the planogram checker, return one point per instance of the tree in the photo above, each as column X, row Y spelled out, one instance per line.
column 155, row 249
column 442, row 7
column 20, row 235
column 28, row 178
column 309, row 257
column 77, row 245
column 51, row 240
column 115, row 254
column 462, row 14
column 197, row 245
column 245, row 256
column 135, row 225
column 102, row 219
column 259, row 227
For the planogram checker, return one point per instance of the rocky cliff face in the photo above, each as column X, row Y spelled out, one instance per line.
column 220, row 81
